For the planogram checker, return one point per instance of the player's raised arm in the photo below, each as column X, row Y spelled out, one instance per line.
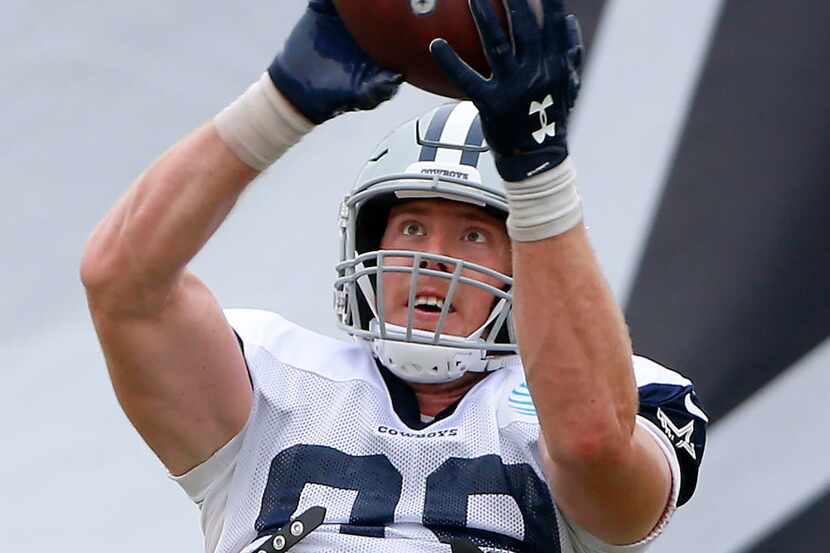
column 174, row 361
column 608, row 475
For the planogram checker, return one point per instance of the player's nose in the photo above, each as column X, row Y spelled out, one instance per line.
column 436, row 265
column 437, row 246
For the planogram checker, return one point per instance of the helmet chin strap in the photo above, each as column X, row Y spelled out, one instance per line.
column 425, row 363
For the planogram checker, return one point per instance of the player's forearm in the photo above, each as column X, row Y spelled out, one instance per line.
column 575, row 347
column 143, row 244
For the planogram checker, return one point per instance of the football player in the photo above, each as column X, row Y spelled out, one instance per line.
column 490, row 395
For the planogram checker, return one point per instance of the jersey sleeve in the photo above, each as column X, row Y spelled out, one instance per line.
column 669, row 403
column 207, row 486
column 670, row 412
column 582, row 541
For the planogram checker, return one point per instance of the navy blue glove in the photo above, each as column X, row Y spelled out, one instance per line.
column 323, row 72
column 525, row 105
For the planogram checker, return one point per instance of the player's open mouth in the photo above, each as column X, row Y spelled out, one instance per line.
column 431, row 304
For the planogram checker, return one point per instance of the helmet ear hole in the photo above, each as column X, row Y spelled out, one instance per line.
column 369, row 229
column 363, row 309
column 371, row 222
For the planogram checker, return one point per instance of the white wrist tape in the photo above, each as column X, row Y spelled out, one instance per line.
column 544, row 205
column 261, row 125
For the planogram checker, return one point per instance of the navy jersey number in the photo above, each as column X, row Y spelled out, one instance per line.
column 377, row 482
column 378, row 486
column 451, row 485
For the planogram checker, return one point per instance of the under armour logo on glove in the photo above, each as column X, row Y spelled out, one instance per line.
column 547, row 129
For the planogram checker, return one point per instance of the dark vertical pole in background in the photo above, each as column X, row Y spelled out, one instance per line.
column 734, row 284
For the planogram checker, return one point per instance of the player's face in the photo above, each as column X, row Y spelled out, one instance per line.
column 452, row 229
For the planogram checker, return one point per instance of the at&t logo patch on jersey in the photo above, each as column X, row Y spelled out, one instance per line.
column 520, row 401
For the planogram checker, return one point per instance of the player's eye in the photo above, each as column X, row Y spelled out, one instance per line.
column 475, row 236
column 413, row 228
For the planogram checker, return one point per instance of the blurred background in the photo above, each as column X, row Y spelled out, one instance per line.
column 701, row 138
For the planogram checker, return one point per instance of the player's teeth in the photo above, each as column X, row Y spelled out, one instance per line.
column 429, row 300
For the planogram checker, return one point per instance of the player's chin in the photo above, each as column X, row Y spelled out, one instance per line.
column 428, row 320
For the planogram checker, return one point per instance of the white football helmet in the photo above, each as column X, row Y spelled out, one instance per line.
column 438, row 155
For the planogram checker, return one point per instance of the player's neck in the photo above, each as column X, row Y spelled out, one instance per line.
column 434, row 398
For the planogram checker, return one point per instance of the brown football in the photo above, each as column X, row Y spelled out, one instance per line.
column 397, row 33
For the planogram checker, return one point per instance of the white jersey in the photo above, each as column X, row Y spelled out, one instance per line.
column 330, row 428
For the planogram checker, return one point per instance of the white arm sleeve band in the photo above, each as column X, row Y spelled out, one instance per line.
column 544, row 205
column 261, row 125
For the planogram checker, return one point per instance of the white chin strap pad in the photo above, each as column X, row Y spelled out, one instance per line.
column 423, row 363
column 427, row 363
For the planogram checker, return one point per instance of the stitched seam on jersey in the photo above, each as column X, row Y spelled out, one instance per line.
column 312, row 372
column 292, row 327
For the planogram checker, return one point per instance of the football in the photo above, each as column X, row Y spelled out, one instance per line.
column 397, row 34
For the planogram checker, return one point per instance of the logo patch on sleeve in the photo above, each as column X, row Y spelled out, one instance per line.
column 680, row 437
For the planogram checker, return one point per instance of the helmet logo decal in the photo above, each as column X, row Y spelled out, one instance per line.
column 445, row 170
column 446, row 173
column 547, row 129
